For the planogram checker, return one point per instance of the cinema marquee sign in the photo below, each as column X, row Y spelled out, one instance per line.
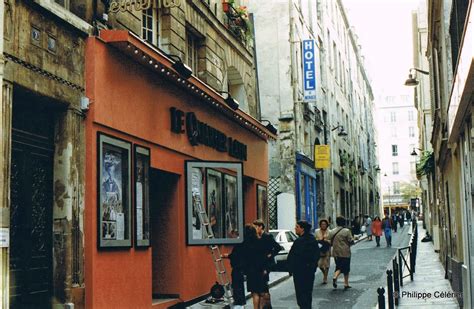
column 201, row 133
column 129, row 5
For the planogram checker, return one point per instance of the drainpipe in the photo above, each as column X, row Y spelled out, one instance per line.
column 4, row 179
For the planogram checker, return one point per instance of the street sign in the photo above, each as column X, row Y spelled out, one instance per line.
column 4, row 237
column 322, row 156
column 309, row 70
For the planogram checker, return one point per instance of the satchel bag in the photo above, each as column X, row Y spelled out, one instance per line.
column 332, row 239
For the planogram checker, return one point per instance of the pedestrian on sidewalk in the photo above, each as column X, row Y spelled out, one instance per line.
column 341, row 239
column 377, row 229
column 302, row 261
column 401, row 219
column 238, row 259
column 394, row 222
column 269, row 248
column 387, row 225
column 322, row 234
column 368, row 227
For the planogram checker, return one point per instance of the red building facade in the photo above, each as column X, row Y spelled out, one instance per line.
column 144, row 123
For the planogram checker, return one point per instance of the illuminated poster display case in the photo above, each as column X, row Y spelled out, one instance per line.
column 216, row 189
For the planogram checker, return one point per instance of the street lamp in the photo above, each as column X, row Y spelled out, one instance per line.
column 413, row 153
column 389, row 197
column 412, row 81
column 341, row 132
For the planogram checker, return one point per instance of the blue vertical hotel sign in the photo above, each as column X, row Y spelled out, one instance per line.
column 309, row 70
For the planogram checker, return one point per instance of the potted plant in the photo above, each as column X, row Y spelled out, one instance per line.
column 226, row 5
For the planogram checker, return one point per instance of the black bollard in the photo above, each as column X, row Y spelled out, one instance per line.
column 390, row 289
column 396, row 282
column 400, row 267
column 381, row 292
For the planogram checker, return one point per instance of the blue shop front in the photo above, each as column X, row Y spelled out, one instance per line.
column 306, row 197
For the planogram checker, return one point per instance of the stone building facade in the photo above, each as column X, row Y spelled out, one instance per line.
column 42, row 152
column 343, row 104
column 449, row 168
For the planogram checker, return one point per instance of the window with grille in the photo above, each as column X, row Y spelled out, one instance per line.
column 192, row 49
column 411, row 131
column 410, row 116
column 150, row 26
column 394, row 150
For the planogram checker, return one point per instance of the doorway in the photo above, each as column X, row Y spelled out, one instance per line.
column 31, row 204
column 165, row 226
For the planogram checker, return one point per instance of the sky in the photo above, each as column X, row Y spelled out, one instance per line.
column 384, row 28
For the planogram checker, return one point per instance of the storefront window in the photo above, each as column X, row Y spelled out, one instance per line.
column 214, row 202
column 302, row 198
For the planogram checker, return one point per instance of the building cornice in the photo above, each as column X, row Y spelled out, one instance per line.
column 156, row 60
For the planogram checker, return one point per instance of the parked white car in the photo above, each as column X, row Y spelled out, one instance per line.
column 284, row 238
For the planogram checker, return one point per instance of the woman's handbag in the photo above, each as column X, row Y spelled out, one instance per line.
column 324, row 246
column 265, row 301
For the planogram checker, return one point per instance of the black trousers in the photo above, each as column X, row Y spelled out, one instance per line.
column 304, row 280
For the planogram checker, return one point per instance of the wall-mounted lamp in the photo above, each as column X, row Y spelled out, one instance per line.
column 269, row 126
column 230, row 101
column 413, row 153
column 180, row 67
column 412, row 81
column 341, row 132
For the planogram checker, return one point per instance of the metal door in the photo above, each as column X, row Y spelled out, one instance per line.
column 31, row 208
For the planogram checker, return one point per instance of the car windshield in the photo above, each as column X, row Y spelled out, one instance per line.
column 290, row 236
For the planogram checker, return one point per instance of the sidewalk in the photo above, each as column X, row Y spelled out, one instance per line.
column 428, row 289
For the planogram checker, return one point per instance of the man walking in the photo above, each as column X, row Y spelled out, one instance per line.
column 302, row 262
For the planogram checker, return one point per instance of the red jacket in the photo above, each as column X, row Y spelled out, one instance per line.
column 377, row 228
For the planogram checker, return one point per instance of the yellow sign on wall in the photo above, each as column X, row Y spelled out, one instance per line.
column 322, row 156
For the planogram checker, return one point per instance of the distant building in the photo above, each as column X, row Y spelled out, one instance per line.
column 398, row 151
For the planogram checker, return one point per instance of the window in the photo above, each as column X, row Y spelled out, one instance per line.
column 394, row 150
column 410, row 116
column 63, row 3
column 411, row 131
column 150, row 26
column 192, row 48
column 394, row 131
column 395, row 168
column 393, row 116
column 396, row 187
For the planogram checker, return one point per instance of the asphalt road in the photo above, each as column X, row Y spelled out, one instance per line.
column 368, row 266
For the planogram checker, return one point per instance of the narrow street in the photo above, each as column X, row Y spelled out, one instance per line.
column 368, row 266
